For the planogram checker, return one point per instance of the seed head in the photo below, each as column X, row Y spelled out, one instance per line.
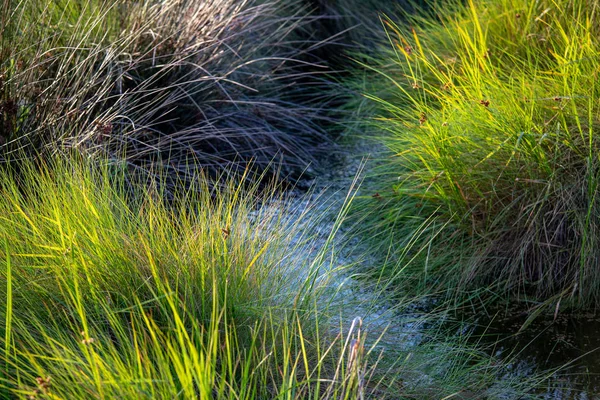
column 86, row 340
column 226, row 232
column 43, row 383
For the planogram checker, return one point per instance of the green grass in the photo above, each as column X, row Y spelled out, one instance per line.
column 144, row 250
column 117, row 294
column 111, row 291
column 491, row 115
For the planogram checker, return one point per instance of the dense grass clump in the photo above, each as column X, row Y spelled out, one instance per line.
column 145, row 250
column 222, row 82
column 110, row 292
column 492, row 115
column 356, row 24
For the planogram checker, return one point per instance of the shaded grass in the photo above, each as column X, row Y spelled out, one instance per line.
column 139, row 291
column 357, row 23
column 220, row 82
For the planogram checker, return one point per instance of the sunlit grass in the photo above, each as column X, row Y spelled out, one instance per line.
column 491, row 113
column 195, row 278
column 111, row 292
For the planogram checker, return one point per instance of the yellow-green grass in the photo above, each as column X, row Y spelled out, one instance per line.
column 491, row 114
column 109, row 292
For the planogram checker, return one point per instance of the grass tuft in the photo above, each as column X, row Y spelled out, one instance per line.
column 219, row 82
column 117, row 294
column 491, row 114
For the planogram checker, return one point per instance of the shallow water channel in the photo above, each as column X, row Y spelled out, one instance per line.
column 565, row 350
column 568, row 344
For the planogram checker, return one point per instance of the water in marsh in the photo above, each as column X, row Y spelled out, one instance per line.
column 569, row 345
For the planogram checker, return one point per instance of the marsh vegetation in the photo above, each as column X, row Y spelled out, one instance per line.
column 258, row 199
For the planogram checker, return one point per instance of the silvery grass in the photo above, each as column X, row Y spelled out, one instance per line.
column 490, row 113
column 222, row 82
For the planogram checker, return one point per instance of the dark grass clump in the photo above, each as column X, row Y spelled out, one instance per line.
column 356, row 24
column 220, row 82
column 492, row 118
